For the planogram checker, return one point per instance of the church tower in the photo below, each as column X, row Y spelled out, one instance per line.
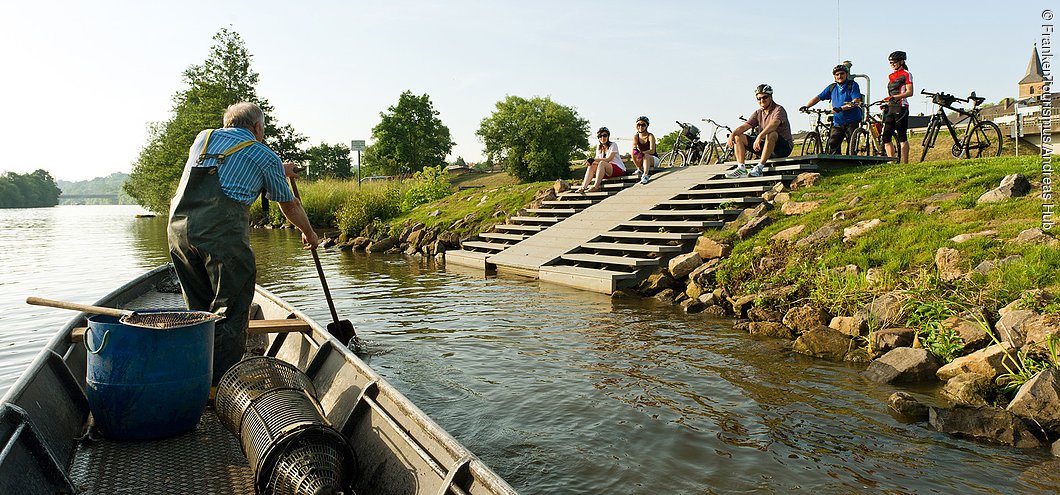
column 1032, row 84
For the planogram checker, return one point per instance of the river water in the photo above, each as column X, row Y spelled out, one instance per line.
column 558, row 390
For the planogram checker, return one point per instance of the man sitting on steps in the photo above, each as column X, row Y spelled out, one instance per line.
column 773, row 140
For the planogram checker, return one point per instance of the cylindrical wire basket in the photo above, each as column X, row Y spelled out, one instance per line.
column 318, row 462
column 250, row 379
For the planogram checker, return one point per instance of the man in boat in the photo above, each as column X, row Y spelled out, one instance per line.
column 209, row 223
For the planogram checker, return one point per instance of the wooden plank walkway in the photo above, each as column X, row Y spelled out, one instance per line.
column 548, row 245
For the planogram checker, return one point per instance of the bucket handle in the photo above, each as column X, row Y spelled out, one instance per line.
column 102, row 342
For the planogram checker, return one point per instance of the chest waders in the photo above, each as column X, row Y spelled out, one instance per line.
column 209, row 243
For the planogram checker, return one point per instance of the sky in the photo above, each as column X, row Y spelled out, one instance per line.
column 82, row 80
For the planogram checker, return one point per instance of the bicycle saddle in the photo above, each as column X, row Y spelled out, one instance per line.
column 975, row 99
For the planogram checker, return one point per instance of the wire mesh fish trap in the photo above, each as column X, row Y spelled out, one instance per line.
column 250, row 379
column 318, row 462
column 165, row 320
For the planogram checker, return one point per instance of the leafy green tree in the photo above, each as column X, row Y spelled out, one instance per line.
column 224, row 78
column 409, row 136
column 535, row 139
column 329, row 161
column 460, row 162
column 666, row 143
column 33, row 190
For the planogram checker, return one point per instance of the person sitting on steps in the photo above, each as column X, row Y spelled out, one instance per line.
column 644, row 154
column 773, row 141
column 845, row 96
column 606, row 164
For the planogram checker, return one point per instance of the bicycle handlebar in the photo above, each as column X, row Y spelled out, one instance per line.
column 944, row 95
column 816, row 110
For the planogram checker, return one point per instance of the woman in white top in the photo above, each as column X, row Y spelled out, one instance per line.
column 606, row 164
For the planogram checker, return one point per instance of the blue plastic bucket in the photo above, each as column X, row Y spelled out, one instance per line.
column 146, row 383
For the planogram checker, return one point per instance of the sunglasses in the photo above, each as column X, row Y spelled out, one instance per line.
column 763, row 97
column 603, row 135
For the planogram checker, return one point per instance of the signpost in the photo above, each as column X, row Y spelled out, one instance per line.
column 358, row 146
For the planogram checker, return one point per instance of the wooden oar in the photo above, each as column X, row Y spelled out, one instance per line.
column 84, row 308
column 341, row 329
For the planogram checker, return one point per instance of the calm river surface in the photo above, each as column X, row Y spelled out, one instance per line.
column 559, row 391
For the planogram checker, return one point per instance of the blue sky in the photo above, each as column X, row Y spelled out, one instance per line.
column 83, row 79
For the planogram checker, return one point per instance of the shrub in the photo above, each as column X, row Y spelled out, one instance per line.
column 376, row 202
column 429, row 184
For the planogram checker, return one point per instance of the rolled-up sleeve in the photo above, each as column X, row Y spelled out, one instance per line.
column 276, row 185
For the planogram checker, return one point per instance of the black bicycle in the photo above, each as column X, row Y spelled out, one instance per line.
column 981, row 137
column 813, row 143
column 867, row 139
column 687, row 152
column 717, row 150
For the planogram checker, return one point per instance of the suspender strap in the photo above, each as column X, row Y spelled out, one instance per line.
column 203, row 155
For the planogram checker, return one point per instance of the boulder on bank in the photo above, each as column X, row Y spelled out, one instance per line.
column 819, row 235
column 683, row 264
column 854, row 326
column 947, row 261
column 882, row 311
column 1036, row 236
column 1010, row 328
column 906, row 406
column 1039, row 400
column 860, row 228
column 753, row 227
column 971, row 332
column 805, row 180
column 805, row 318
column 984, row 423
column 382, row 245
column 970, row 389
column 709, row 249
column 1012, row 186
column 903, row 365
column 986, row 362
column 658, row 280
column 823, row 342
column 762, row 314
column 770, row 329
column 888, row 339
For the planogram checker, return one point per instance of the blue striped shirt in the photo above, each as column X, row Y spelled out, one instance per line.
column 246, row 172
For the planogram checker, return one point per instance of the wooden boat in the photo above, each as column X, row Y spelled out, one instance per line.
column 46, row 446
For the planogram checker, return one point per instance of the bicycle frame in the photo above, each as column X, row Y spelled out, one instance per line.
column 960, row 149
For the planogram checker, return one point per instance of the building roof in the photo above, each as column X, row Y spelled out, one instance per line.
column 1034, row 69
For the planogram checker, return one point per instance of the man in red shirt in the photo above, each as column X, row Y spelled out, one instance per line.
column 774, row 138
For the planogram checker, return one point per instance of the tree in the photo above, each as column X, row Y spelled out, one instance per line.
column 409, row 136
column 33, row 190
column 329, row 161
column 666, row 143
column 224, row 78
column 535, row 139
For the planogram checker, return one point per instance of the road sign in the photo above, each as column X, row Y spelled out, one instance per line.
column 357, row 145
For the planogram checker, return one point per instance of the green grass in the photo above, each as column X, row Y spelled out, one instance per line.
column 904, row 246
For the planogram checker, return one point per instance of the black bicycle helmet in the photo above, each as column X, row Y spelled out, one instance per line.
column 643, row 119
column 764, row 89
column 841, row 68
column 603, row 130
column 898, row 56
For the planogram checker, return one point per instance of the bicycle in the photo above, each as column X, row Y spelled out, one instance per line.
column 715, row 150
column 689, row 153
column 867, row 139
column 813, row 143
column 981, row 137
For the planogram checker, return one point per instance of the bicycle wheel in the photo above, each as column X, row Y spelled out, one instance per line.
column 984, row 141
column 858, row 143
column 929, row 139
column 672, row 159
column 811, row 144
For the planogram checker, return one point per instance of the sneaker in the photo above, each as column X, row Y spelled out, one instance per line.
column 756, row 171
column 736, row 173
column 644, row 179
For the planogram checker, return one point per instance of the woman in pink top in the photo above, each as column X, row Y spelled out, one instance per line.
column 606, row 164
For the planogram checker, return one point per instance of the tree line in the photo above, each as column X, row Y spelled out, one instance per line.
column 33, row 190
column 534, row 139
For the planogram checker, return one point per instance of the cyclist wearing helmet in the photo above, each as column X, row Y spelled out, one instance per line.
column 644, row 153
column 607, row 163
column 845, row 96
column 896, row 111
column 774, row 139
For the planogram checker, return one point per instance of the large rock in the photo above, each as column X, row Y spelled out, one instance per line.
column 1012, row 186
column 984, row 423
column 1037, row 330
column 788, row 234
column 704, row 275
column 450, row 239
column 741, row 304
column 659, row 279
column 860, row 228
column 820, row 235
column 823, row 342
column 1039, row 400
column 770, row 329
column 763, row 314
column 752, row 227
column 883, row 310
column 560, row 186
column 666, row 295
column 903, row 365
column 854, row 326
column 805, row 318
column 906, row 406
column 948, row 261
column 805, row 180
column 987, row 362
column 970, row 389
column 800, row 207
column 382, row 245
column 1010, row 328
column 360, row 243
column 967, row 237
column 692, row 305
column 683, row 264
column 887, row 339
column 709, row 249
column 971, row 332
column 1036, row 236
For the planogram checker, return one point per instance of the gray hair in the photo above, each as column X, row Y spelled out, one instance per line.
column 243, row 114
